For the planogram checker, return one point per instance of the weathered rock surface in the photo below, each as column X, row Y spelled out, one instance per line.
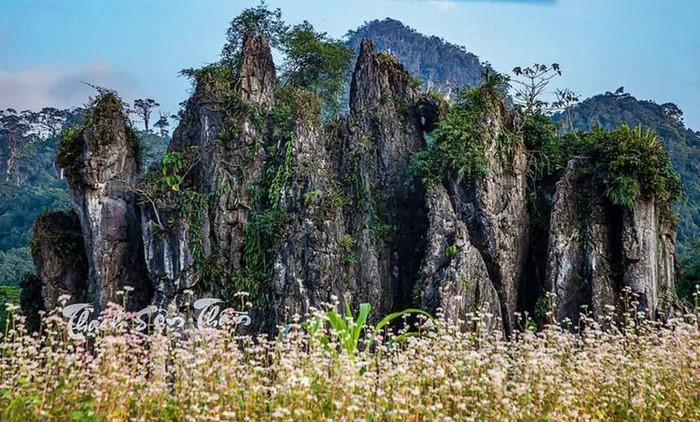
column 359, row 224
column 101, row 185
column 298, row 214
column 383, row 133
column 453, row 275
column 579, row 265
column 648, row 258
column 494, row 207
column 308, row 268
column 257, row 74
column 596, row 250
column 59, row 258
column 225, row 141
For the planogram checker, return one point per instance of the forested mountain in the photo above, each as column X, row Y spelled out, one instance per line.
column 440, row 65
column 683, row 144
column 30, row 181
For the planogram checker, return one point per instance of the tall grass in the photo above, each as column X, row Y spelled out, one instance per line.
column 615, row 369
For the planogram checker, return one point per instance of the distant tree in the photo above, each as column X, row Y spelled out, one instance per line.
column 143, row 108
column 162, row 124
column 672, row 112
column 316, row 62
column 564, row 102
column 257, row 20
column 529, row 85
column 15, row 138
column 51, row 120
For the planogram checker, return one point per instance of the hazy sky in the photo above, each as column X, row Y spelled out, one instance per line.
column 47, row 47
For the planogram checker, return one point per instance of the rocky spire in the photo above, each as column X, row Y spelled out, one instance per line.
column 101, row 162
column 389, row 225
column 59, row 257
column 257, row 74
column 597, row 249
column 223, row 133
column 493, row 208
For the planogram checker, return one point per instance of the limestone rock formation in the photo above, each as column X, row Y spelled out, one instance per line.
column 308, row 267
column 222, row 133
column 359, row 235
column 580, row 262
column 59, row 257
column 454, row 276
column 384, row 132
column 597, row 249
column 256, row 194
column 649, row 262
column 102, row 164
column 494, row 210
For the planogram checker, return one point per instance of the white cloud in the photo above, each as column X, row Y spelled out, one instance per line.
column 444, row 5
column 60, row 87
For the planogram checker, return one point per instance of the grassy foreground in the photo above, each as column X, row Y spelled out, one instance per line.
column 632, row 370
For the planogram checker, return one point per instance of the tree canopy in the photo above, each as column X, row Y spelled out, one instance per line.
column 315, row 62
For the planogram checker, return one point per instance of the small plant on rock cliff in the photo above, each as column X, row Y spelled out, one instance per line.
column 169, row 187
column 458, row 142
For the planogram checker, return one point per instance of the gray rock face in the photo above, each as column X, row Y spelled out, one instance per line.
column 595, row 250
column 358, row 223
column 648, row 258
column 226, row 143
column 384, row 131
column 579, row 267
column 453, row 275
column 308, row 268
column 59, row 258
column 101, row 188
column 494, row 208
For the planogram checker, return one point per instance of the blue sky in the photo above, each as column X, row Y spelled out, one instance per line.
column 47, row 47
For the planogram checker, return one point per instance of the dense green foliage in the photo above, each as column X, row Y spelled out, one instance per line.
column 688, row 285
column 631, row 163
column 682, row 144
column 8, row 295
column 31, row 185
column 14, row 263
column 441, row 66
column 316, row 63
column 459, row 141
column 257, row 20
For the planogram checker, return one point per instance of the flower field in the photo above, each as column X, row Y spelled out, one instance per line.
column 630, row 370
